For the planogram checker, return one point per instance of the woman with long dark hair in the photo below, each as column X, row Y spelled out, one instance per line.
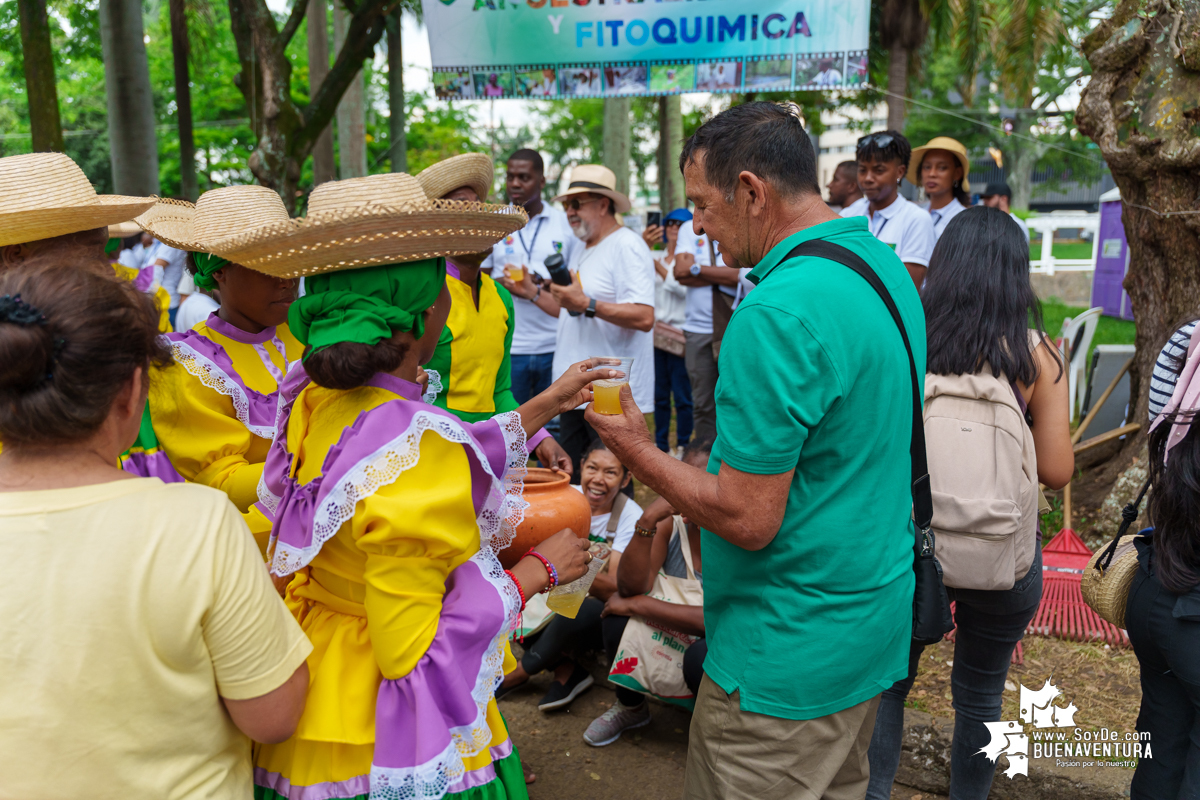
column 1163, row 611
column 979, row 304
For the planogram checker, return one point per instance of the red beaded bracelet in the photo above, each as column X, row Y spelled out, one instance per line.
column 550, row 570
column 520, row 590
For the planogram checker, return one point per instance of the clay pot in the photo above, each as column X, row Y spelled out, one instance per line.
column 554, row 504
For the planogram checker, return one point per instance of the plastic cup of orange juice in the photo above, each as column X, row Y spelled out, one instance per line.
column 516, row 273
column 607, row 393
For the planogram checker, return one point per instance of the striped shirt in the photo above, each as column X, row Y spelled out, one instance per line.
column 1167, row 368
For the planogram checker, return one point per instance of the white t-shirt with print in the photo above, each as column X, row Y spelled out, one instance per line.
column 619, row 269
column 904, row 226
column 548, row 232
column 625, row 525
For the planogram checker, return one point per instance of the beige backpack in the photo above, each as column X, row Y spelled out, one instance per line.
column 983, row 475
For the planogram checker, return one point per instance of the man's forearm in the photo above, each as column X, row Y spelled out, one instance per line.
column 627, row 315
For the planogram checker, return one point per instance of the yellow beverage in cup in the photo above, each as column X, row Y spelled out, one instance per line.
column 608, row 396
column 567, row 599
column 516, row 274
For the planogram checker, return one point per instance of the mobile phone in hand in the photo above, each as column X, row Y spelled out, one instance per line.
column 653, row 218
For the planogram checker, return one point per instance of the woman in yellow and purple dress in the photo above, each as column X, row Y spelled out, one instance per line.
column 390, row 515
column 213, row 412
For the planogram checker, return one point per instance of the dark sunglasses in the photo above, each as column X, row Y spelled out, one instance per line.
column 881, row 140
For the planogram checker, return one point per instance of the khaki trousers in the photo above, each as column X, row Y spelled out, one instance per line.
column 740, row 755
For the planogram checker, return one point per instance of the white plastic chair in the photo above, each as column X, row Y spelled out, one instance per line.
column 1077, row 336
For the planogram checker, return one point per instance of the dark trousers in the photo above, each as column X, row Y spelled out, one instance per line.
column 532, row 375
column 693, row 659
column 563, row 635
column 1168, row 650
column 989, row 626
column 575, row 436
column 701, row 362
column 671, row 378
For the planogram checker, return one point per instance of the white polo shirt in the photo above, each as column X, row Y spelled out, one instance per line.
column 619, row 269
column 941, row 216
column 903, row 226
column 547, row 233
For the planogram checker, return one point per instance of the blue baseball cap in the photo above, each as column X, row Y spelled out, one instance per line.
column 681, row 215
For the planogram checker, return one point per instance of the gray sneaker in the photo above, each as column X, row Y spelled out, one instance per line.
column 608, row 727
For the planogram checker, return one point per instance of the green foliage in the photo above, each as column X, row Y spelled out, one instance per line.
column 1109, row 330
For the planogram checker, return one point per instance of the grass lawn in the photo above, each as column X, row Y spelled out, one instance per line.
column 1110, row 330
column 1061, row 250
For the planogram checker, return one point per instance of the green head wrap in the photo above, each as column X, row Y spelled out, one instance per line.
column 206, row 265
column 112, row 246
column 366, row 305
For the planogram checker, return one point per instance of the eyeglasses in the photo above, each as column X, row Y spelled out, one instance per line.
column 880, row 140
column 575, row 204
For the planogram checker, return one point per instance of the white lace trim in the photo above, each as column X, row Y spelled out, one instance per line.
column 268, row 498
column 435, row 386
column 214, row 378
column 503, row 509
column 431, row 780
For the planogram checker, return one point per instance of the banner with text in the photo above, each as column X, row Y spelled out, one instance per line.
column 548, row 49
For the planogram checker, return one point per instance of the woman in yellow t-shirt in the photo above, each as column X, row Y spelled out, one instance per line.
column 213, row 411
column 144, row 643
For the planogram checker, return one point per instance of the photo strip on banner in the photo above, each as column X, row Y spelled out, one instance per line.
column 625, row 80
column 536, row 82
column 453, row 83
column 581, row 80
column 820, row 70
column 719, row 76
column 855, row 74
column 672, row 77
column 492, row 83
column 768, row 73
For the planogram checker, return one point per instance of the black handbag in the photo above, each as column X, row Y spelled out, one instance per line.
column 931, row 604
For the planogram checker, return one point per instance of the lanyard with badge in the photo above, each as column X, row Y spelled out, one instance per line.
column 532, row 242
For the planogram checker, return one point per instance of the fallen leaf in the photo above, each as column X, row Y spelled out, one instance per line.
column 1009, row 686
column 595, row 777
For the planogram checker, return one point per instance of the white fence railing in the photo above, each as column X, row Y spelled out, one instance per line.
column 1047, row 225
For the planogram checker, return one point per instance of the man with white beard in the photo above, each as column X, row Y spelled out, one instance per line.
column 612, row 294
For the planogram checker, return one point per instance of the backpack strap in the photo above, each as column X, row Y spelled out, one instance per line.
column 685, row 546
column 921, row 493
column 614, row 518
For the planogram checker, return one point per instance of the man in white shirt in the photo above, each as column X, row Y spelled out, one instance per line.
column 882, row 162
column 694, row 268
column 612, row 295
column 548, row 232
column 172, row 262
column 999, row 195
column 843, row 188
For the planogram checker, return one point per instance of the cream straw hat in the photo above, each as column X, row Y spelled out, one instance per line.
column 474, row 170
column 124, row 229
column 359, row 222
column 595, row 179
column 43, row 195
column 218, row 215
column 953, row 146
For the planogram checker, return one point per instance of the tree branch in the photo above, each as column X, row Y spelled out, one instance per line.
column 299, row 8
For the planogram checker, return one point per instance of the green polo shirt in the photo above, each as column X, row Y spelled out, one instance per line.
column 815, row 378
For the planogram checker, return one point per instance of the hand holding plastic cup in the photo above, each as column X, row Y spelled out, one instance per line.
column 567, row 598
column 607, row 393
column 516, row 273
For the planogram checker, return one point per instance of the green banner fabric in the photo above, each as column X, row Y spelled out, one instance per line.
column 547, row 49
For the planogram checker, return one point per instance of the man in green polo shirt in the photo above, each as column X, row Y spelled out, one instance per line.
column 806, row 506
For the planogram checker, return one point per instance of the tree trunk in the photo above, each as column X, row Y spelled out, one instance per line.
column 44, row 122
column 133, row 145
column 1142, row 79
column 351, row 112
column 617, row 139
column 397, row 119
column 1022, row 156
column 898, row 86
column 183, row 101
column 670, row 127
column 318, row 67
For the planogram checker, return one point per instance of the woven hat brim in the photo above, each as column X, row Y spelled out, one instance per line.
column 370, row 235
column 914, row 165
column 443, row 177
column 31, row 225
column 170, row 222
column 623, row 204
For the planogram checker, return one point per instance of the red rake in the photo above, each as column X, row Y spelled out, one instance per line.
column 1062, row 612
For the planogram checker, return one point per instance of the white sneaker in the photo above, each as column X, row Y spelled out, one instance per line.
column 608, row 727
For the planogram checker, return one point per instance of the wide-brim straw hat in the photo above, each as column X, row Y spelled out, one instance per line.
column 43, row 195
column 474, row 170
column 595, row 179
column 218, row 215
column 939, row 143
column 124, row 229
column 361, row 222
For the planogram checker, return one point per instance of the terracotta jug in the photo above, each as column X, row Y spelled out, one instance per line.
column 554, row 504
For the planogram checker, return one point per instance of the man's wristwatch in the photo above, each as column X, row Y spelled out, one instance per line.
column 695, row 270
column 591, row 309
column 536, row 295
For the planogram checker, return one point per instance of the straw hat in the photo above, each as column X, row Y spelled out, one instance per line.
column 43, row 195
column 469, row 169
column 939, row 143
column 124, row 229
column 359, row 222
column 595, row 179
column 216, row 216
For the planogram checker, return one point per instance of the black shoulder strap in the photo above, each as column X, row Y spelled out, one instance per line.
column 922, row 497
